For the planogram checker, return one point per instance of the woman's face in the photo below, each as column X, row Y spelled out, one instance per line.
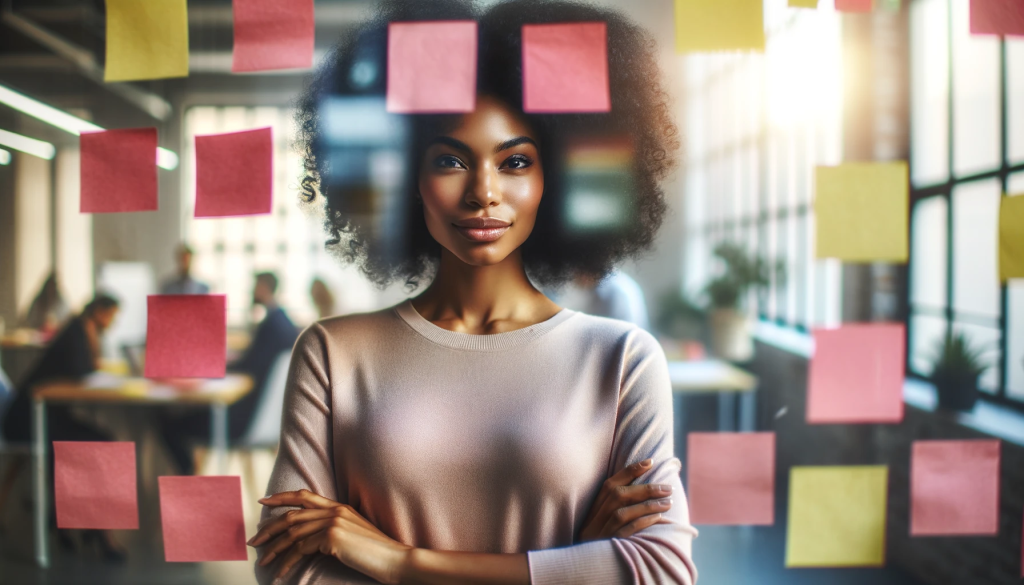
column 481, row 184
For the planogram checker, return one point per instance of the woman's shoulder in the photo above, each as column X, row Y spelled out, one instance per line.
column 362, row 326
column 614, row 333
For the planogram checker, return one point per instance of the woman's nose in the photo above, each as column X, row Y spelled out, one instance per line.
column 483, row 189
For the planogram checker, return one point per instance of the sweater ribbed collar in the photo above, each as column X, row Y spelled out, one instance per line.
column 489, row 342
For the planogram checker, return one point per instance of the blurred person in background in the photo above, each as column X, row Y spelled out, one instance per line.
column 275, row 334
column 323, row 299
column 182, row 282
column 74, row 353
column 616, row 296
column 48, row 310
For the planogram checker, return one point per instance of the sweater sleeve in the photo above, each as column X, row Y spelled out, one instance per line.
column 659, row 554
column 306, row 458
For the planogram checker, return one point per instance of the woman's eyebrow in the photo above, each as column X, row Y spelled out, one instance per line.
column 449, row 141
column 513, row 142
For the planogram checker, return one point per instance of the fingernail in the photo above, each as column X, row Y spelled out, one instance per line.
column 249, row 542
column 664, row 487
column 665, row 502
column 645, row 463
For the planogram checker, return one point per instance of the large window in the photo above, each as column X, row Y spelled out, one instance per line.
column 756, row 127
column 967, row 151
column 289, row 241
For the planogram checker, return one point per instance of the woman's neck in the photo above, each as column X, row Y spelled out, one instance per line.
column 483, row 299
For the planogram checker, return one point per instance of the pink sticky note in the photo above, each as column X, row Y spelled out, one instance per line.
column 997, row 17
column 94, row 485
column 202, row 518
column 731, row 478
column 565, row 67
column 856, row 374
column 118, row 170
column 854, row 5
column 954, row 488
column 234, row 173
column 186, row 336
column 431, row 67
column 273, row 34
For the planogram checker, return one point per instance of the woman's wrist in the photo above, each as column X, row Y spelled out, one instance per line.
column 429, row 567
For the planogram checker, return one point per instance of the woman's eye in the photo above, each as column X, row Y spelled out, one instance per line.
column 518, row 161
column 447, row 161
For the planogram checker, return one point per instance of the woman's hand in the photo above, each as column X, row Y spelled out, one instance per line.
column 622, row 510
column 330, row 528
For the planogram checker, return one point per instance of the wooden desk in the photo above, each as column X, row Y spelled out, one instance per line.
column 731, row 384
column 103, row 388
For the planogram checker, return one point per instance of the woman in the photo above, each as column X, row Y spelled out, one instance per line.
column 479, row 433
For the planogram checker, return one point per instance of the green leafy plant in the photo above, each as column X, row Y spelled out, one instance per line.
column 742, row 273
column 679, row 316
column 956, row 357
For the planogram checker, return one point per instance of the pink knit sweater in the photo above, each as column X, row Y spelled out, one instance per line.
column 484, row 443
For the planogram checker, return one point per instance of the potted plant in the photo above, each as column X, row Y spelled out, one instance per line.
column 955, row 372
column 730, row 325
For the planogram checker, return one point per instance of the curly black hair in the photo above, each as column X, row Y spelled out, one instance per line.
column 397, row 246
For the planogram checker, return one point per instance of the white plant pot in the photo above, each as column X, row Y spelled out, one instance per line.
column 731, row 337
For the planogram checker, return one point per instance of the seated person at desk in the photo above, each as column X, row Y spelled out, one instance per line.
column 182, row 283
column 74, row 353
column 275, row 334
column 616, row 296
column 48, row 310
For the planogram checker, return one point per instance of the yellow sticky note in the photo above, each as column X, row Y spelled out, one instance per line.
column 803, row 3
column 862, row 211
column 719, row 25
column 1011, row 237
column 146, row 39
column 837, row 516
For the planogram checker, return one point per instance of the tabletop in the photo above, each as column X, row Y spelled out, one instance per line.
column 105, row 387
column 709, row 375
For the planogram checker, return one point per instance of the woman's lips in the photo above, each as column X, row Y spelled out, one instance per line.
column 482, row 234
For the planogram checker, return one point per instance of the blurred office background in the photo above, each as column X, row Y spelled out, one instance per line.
column 905, row 82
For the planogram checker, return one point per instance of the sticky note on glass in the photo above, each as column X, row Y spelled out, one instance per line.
column 854, row 5
column 118, row 170
column 273, row 34
column 234, row 173
column 997, row 17
column 954, row 488
column 731, row 478
column 862, row 211
column 431, row 67
column 94, row 485
column 1011, row 237
column 146, row 40
column 719, row 25
column 202, row 518
column 856, row 374
column 803, row 3
column 837, row 516
column 565, row 68
column 186, row 336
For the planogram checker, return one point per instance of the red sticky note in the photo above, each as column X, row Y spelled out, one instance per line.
column 94, row 485
column 997, row 17
column 954, row 488
column 202, row 518
column 234, row 173
column 273, row 34
column 118, row 170
column 565, row 68
column 854, row 5
column 431, row 67
column 186, row 336
column 731, row 478
column 856, row 374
